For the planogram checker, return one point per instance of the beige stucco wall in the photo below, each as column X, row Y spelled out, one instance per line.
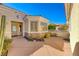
column 29, row 22
column 74, row 26
column 26, row 22
column 73, row 22
column 45, row 21
column 39, row 19
column 0, row 18
column 11, row 16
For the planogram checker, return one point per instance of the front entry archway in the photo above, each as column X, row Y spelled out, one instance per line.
column 16, row 28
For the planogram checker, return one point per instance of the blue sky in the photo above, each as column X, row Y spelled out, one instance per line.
column 54, row 12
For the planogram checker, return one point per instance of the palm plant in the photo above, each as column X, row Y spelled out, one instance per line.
column 2, row 30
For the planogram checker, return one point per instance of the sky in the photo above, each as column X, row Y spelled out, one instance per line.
column 54, row 12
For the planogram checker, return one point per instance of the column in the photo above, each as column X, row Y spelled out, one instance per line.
column 39, row 27
column 29, row 26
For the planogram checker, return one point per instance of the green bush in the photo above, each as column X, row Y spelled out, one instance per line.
column 6, row 46
column 52, row 27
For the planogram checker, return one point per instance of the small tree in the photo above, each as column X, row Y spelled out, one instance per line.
column 51, row 26
column 2, row 30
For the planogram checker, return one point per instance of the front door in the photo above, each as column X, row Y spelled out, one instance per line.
column 16, row 28
column 20, row 29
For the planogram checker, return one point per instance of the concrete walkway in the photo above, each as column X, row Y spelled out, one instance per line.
column 47, row 50
column 21, row 47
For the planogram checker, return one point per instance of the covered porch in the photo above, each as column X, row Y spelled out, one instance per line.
column 16, row 28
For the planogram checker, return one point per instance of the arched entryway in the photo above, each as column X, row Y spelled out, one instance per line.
column 16, row 28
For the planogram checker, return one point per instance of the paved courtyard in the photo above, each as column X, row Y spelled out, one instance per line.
column 47, row 50
column 22, row 47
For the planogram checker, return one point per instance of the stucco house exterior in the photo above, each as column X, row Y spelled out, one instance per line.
column 19, row 23
column 72, row 15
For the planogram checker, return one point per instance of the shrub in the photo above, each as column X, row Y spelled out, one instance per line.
column 65, row 27
column 47, row 35
column 52, row 27
column 6, row 46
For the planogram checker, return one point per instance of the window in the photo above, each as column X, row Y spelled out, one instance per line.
column 33, row 26
column 14, row 28
column 44, row 26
